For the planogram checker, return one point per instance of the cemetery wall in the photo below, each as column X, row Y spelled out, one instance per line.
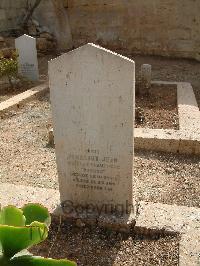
column 11, row 12
column 52, row 14
column 168, row 28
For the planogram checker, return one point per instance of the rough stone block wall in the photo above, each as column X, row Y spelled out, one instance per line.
column 11, row 13
column 170, row 27
column 52, row 14
column 160, row 27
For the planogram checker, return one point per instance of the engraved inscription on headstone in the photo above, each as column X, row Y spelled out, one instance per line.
column 92, row 96
column 27, row 60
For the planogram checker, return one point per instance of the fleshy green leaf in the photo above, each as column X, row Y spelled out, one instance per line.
column 36, row 212
column 37, row 261
column 1, row 250
column 13, row 216
column 14, row 239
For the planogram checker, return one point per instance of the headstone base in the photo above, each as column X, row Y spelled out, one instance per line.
column 114, row 222
column 118, row 223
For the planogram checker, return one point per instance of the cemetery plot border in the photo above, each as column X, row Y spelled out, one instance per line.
column 19, row 99
column 7, row 92
column 186, row 140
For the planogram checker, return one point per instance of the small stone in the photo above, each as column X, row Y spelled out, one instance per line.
column 44, row 29
column 42, row 44
column 119, row 236
column 35, row 22
column 32, row 30
column 51, row 137
column 98, row 251
column 2, row 45
column 139, row 115
column 79, row 223
column 7, row 52
column 169, row 170
column 46, row 35
column 145, row 84
column 15, row 81
column 2, row 39
column 51, row 45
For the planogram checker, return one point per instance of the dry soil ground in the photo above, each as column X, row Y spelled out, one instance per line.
column 97, row 247
column 158, row 109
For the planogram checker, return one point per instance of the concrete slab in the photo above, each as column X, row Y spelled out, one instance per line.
column 188, row 110
column 172, row 218
column 168, row 140
column 156, row 217
column 19, row 195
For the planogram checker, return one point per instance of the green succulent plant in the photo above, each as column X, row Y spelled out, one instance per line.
column 21, row 229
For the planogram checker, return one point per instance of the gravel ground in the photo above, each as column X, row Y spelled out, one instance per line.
column 25, row 158
column 97, row 247
column 158, row 109
column 168, row 178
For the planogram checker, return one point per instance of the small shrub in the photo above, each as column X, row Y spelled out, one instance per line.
column 21, row 229
column 9, row 67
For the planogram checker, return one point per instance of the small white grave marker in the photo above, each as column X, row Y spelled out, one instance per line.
column 27, row 60
column 92, row 96
column 145, row 78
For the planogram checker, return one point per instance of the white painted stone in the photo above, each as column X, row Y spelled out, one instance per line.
column 145, row 78
column 27, row 60
column 92, row 97
column 188, row 110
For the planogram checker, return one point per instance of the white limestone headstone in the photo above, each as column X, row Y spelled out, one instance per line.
column 27, row 59
column 92, row 96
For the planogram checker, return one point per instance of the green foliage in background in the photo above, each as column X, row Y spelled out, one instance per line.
column 21, row 229
column 9, row 67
